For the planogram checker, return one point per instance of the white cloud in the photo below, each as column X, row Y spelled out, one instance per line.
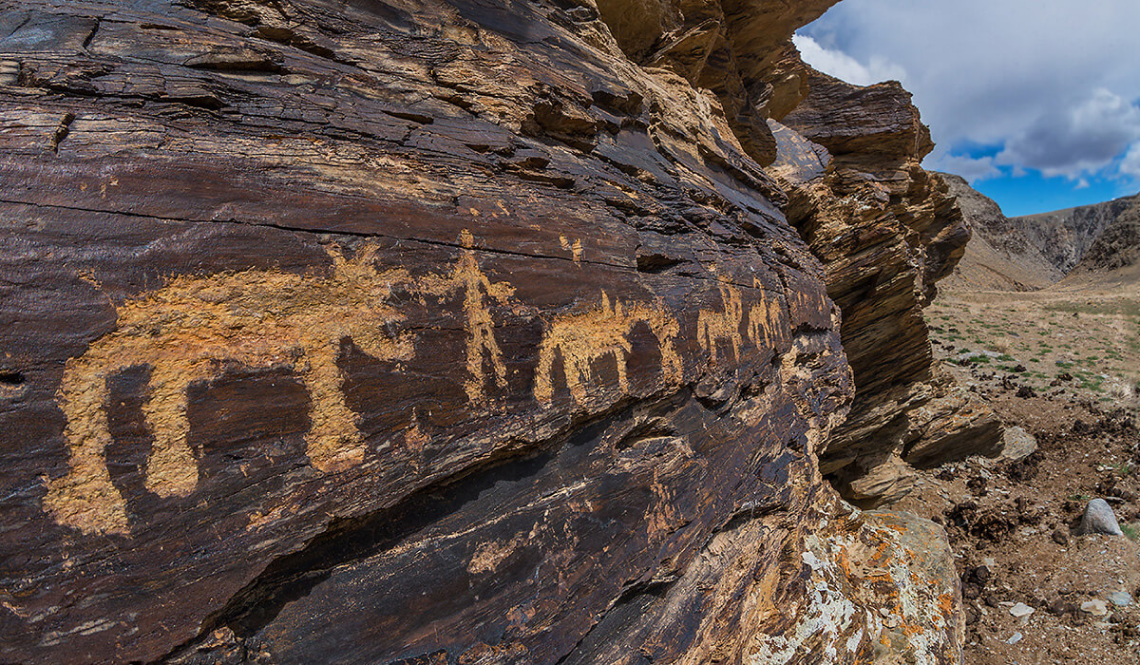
column 971, row 168
column 1077, row 139
column 1130, row 165
column 844, row 67
column 1051, row 80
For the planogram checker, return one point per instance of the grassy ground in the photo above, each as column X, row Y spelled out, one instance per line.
column 1045, row 337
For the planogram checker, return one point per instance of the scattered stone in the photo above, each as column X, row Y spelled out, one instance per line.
column 1061, row 537
column 1094, row 607
column 1015, row 638
column 1017, row 444
column 1026, row 392
column 1099, row 518
column 1021, row 610
column 1120, row 598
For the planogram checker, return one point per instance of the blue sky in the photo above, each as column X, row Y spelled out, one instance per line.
column 1036, row 103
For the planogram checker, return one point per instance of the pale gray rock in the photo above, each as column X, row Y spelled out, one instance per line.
column 1120, row 598
column 1020, row 610
column 1099, row 518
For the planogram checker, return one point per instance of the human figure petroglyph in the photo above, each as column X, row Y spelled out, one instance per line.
column 476, row 289
column 585, row 337
column 722, row 326
column 190, row 330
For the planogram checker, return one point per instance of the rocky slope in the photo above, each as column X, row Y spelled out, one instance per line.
column 451, row 332
column 1036, row 251
column 1117, row 249
column 1000, row 256
column 1064, row 236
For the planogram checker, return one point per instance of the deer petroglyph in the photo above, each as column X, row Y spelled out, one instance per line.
column 190, row 330
column 585, row 337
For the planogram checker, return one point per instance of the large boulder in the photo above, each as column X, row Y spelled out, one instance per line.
column 886, row 231
column 436, row 332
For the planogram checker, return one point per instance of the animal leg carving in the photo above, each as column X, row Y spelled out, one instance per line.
column 85, row 499
column 171, row 468
column 334, row 442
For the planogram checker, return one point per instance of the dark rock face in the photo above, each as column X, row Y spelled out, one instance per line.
column 886, row 231
column 415, row 333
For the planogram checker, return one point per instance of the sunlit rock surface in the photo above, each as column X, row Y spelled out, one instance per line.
column 886, row 232
column 394, row 332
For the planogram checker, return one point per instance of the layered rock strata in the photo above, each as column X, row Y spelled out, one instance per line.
column 886, row 232
column 420, row 333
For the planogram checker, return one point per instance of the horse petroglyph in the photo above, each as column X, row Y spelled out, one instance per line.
column 190, row 330
column 595, row 334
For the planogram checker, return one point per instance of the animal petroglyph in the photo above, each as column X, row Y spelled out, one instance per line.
column 763, row 318
column 722, row 326
column 190, row 330
column 586, row 337
column 476, row 288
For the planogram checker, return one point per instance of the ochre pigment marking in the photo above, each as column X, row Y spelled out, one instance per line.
column 189, row 331
column 476, row 288
column 714, row 327
column 764, row 318
column 575, row 248
column 598, row 333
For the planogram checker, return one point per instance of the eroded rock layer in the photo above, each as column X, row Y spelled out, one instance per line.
column 886, row 231
column 426, row 332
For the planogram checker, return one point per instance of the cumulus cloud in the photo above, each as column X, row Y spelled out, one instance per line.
column 842, row 66
column 1081, row 138
column 972, row 169
column 1050, row 80
column 1130, row 165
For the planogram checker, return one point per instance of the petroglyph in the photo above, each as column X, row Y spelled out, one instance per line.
column 763, row 318
column 195, row 327
column 603, row 332
column 575, row 248
column 190, row 330
column 722, row 326
column 476, row 289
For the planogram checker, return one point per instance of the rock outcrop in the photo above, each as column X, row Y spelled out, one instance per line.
column 444, row 332
column 1064, row 236
column 1118, row 246
column 886, row 231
